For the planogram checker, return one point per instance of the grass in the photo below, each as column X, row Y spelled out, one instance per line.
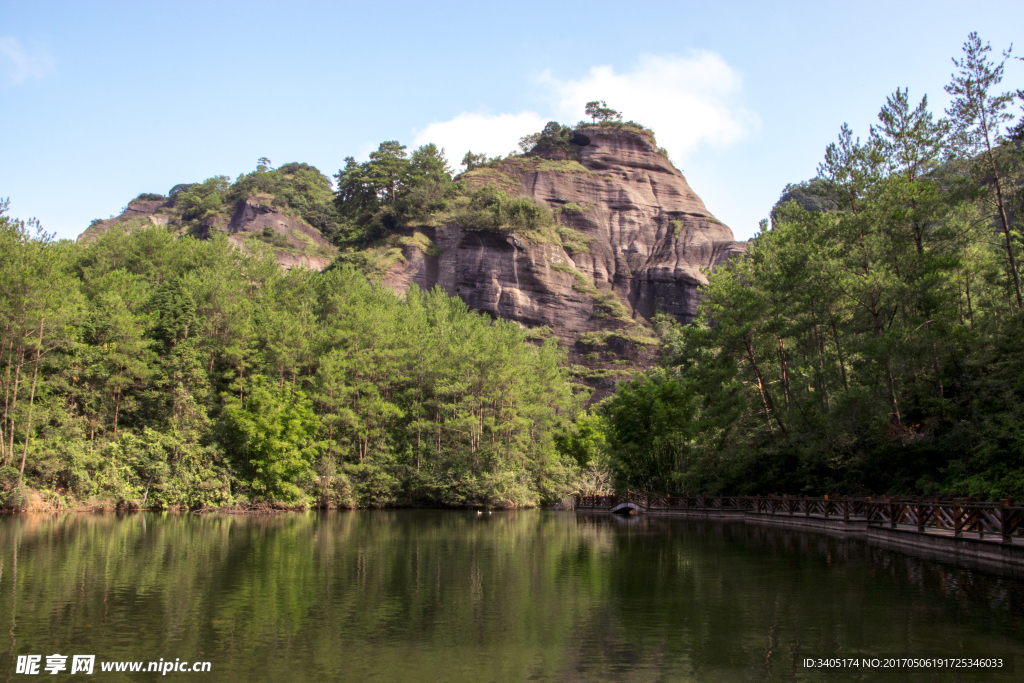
column 588, row 373
column 608, row 304
column 378, row 260
column 375, row 261
column 597, row 339
column 421, row 242
column 539, row 165
column 574, row 241
column 677, row 227
column 538, row 333
column 483, row 175
column 303, row 238
column 599, row 373
column 600, row 339
column 385, row 257
column 580, row 278
column 311, row 248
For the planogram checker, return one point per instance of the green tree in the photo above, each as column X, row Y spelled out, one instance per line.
column 978, row 115
column 598, row 110
column 272, row 435
column 471, row 160
column 202, row 200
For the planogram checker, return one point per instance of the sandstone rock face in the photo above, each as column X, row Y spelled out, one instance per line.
column 294, row 243
column 651, row 237
column 255, row 224
column 502, row 274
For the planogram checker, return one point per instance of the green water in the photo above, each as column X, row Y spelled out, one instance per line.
column 456, row 596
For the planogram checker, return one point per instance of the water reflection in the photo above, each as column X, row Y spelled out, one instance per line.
column 451, row 596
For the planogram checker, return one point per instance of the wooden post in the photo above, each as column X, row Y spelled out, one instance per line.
column 1004, row 520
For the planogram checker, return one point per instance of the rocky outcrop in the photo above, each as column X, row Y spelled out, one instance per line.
column 647, row 241
column 294, row 243
column 255, row 224
column 505, row 275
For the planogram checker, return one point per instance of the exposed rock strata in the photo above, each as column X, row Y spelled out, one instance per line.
column 255, row 223
column 652, row 239
column 256, row 217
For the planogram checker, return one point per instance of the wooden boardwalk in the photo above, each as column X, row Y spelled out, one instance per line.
column 961, row 529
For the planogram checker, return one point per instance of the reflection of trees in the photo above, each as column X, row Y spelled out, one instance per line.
column 411, row 595
column 731, row 601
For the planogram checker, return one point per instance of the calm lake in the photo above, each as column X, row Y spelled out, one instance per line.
column 455, row 596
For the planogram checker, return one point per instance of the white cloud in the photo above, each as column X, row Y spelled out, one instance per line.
column 688, row 101
column 22, row 64
column 481, row 133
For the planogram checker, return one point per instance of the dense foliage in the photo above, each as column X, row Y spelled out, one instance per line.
column 870, row 339
column 144, row 370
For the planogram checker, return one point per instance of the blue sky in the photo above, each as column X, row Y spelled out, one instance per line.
column 101, row 101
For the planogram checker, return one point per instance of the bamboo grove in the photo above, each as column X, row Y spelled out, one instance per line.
column 149, row 371
column 871, row 338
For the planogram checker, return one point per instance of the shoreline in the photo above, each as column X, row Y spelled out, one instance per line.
column 968, row 549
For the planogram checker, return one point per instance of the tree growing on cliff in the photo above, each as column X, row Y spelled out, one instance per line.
column 598, row 110
column 471, row 160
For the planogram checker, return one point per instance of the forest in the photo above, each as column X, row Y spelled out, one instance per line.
column 145, row 371
column 870, row 340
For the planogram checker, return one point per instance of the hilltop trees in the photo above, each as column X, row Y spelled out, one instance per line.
column 599, row 111
column 375, row 195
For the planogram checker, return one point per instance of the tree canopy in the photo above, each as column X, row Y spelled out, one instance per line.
column 868, row 341
column 145, row 370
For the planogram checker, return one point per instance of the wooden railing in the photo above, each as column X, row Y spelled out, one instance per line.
column 995, row 521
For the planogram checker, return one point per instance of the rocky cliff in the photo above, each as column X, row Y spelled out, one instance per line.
column 622, row 237
column 639, row 240
column 254, row 223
